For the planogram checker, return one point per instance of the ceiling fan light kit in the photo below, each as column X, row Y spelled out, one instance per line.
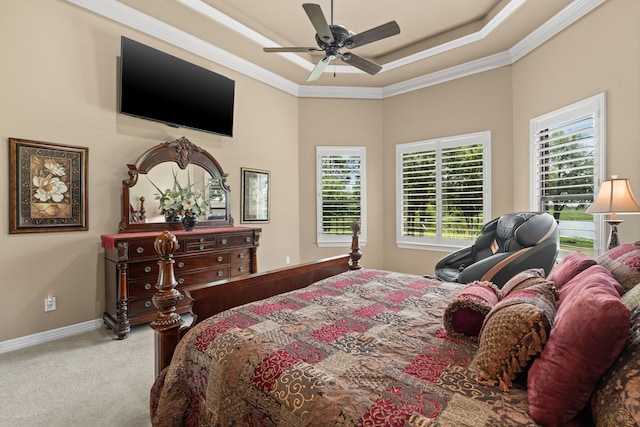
column 331, row 38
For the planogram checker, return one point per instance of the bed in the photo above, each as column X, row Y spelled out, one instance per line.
column 323, row 343
column 332, row 343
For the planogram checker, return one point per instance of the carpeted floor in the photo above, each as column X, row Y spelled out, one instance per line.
column 89, row 379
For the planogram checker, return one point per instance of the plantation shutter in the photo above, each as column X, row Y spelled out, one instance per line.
column 443, row 189
column 567, row 166
column 340, row 192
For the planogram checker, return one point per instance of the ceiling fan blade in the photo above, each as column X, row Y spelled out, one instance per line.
column 291, row 49
column 374, row 34
column 319, row 68
column 314, row 12
column 361, row 63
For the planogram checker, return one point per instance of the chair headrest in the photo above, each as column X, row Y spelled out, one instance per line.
column 507, row 226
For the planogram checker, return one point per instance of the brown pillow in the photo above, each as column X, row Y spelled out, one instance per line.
column 465, row 314
column 616, row 401
column 624, row 264
column 522, row 280
column 632, row 298
column 569, row 266
column 589, row 331
column 515, row 331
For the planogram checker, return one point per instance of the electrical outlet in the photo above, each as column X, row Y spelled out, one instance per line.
column 287, row 260
column 49, row 304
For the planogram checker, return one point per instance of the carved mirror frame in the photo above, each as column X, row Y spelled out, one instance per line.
column 183, row 153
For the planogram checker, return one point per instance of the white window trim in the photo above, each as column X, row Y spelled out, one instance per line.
column 410, row 242
column 597, row 105
column 332, row 240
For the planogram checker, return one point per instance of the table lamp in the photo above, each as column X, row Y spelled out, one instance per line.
column 615, row 196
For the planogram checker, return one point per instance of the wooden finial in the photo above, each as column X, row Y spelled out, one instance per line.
column 355, row 247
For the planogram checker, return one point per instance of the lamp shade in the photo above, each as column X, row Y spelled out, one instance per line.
column 615, row 196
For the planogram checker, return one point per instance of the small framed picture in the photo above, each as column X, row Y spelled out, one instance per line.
column 47, row 187
column 255, row 195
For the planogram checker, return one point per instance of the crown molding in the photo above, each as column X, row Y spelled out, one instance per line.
column 132, row 18
column 563, row 19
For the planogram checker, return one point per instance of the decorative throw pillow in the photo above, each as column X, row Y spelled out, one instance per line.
column 632, row 298
column 465, row 314
column 616, row 401
column 515, row 331
column 589, row 332
column 569, row 266
column 522, row 280
column 624, row 264
column 582, row 279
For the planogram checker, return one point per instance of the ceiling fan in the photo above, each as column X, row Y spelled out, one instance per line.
column 332, row 38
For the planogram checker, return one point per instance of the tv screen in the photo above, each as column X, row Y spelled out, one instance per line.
column 160, row 87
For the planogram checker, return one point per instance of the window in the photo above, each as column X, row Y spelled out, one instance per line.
column 442, row 189
column 341, row 194
column 567, row 153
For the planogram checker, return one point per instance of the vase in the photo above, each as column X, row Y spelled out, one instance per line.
column 172, row 217
column 189, row 222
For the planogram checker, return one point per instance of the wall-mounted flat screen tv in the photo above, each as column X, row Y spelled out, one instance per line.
column 160, row 87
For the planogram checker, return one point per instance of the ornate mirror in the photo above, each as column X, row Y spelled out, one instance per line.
column 164, row 174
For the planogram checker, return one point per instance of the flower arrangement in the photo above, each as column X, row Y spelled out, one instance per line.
column 181, row 200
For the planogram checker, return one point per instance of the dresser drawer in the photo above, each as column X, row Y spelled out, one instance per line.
column 145, row 249
column 240, row 255
column 240, row 269
column 150, row 269
column 142, row 306
column 233, row 240
column 202, row 243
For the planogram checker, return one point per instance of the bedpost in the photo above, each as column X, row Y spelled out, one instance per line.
column 167, row 323
column 355, row 247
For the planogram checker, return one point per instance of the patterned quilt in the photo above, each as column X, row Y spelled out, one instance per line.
column 364, row 348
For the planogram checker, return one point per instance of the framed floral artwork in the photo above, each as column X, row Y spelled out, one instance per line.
column 255, row 195
column 47, row 187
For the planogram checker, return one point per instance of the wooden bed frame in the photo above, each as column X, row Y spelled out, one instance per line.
column 212, row 298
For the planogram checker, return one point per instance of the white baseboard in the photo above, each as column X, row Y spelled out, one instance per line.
column 54, row 334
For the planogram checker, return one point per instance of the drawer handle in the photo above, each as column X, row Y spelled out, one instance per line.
column 201, row 247
column 224, row 241
column 241, row 269
column 241, row 256
column 180, row 281
column 202, row 240
column 181, row 297
column 147, row 304
column 147, row 269
column 147, row 286
column 220, row 259
column 247, row 239
column 180, row 264
column 139, row 249
column 219, row 273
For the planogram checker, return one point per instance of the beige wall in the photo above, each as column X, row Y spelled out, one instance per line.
column 327, row 122
column 59, row 84
column 600, row 53
column 477, row 103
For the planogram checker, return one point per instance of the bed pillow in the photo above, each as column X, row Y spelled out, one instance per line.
column 589, row 332
column 465, row 314
column 522, row 280
column 569, row 266
column 624, row 264
column 515, row 331
column 616, row 401
column 582, row 279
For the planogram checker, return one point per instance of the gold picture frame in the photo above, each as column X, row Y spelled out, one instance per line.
column 47, row 187
column 256, row 195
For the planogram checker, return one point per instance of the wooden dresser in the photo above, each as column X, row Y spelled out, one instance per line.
column 205, row 255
